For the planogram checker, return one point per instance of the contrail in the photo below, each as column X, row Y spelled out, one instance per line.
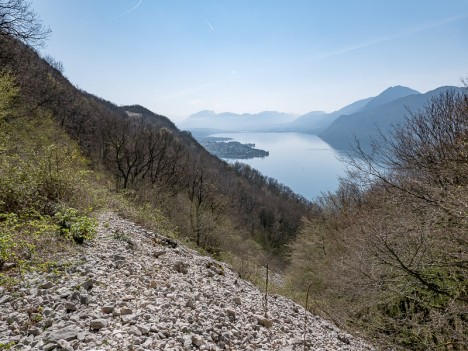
column 208, row 23
column 115, row 17
column 434, row 24
column 128, row 11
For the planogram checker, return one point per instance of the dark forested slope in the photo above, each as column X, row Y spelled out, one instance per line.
column 145, row 155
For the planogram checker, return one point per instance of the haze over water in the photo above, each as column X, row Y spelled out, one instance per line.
column 303, row 162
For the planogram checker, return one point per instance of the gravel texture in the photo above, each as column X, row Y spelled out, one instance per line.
column 131, row 289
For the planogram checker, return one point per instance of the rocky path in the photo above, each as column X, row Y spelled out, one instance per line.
column 131, row 289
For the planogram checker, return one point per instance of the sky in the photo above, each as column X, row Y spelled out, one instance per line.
column 177, row 57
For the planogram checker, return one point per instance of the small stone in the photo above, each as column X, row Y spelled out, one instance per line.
column 118, row 257
column 153, row 284
column 197, row 341
column 128, row 319
column 5, row 299
column 35, row 331
column 157, row 254
column 190, row 304
column 49, row 347
column 88, row 284
column 47, row 312
column 65, row 345
column 134, row 331
column 264, row 322
column 98, row 324
column 237, row 300
column 230, row 313
column 8, row 265
column 108, row 308
column 46, row 285
column 343, row 339
column 181, row 267
column 70, row 306
column 75, row 296
column 143, row 329
column 64, row 293
column 84, row 299
column 128, row 298
column 125, row 310
column 215, row 267
column 67, row 334
column 47, row 323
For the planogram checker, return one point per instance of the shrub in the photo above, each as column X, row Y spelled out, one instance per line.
column 76, row 226
column 8, row 225
column 388, row 255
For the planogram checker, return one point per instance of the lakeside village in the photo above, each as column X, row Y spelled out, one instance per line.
column 226, row 148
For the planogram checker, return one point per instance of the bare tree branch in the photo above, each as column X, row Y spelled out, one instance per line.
column 19, row 21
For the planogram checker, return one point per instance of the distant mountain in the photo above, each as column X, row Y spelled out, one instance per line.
column 388, row 95
column 366, row 123
column 232, row 122
column 360, row 120
column 317, row 121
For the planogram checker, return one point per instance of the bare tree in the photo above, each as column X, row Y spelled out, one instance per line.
column 207, row 208
column 18, row 20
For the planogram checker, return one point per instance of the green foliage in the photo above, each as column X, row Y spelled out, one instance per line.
column 146, row 214
column 75, row 226
column 7, row 346
column 39, row 169
column 8, row 92
column 46, row 186
column 8, row 225
column 120, row 236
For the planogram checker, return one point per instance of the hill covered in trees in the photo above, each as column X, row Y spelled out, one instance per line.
column 143, row 157
column 388, row 253
column 385, row 255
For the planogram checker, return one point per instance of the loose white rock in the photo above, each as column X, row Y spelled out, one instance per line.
column 154, row 294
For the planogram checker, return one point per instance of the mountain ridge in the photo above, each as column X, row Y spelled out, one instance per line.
column 367, row 124
column 313, row 122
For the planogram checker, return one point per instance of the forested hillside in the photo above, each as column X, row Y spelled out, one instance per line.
column 384, row 256
column 388, row 253
column 224, row 209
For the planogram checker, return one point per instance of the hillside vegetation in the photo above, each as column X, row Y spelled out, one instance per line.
column 388, row 253
column 137, row 158
column 385, row 255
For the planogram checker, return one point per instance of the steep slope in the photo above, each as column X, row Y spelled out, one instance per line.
column 366, row 124
column 132, row 289
column 143, row 157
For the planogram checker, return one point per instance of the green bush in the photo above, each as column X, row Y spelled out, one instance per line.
column 8, row 225
column 76, row 226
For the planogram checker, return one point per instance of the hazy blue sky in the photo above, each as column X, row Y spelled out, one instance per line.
column 177, row 57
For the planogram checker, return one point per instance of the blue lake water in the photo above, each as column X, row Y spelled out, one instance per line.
column 303, row 162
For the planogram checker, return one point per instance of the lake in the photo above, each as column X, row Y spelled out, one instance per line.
column 303, row 162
